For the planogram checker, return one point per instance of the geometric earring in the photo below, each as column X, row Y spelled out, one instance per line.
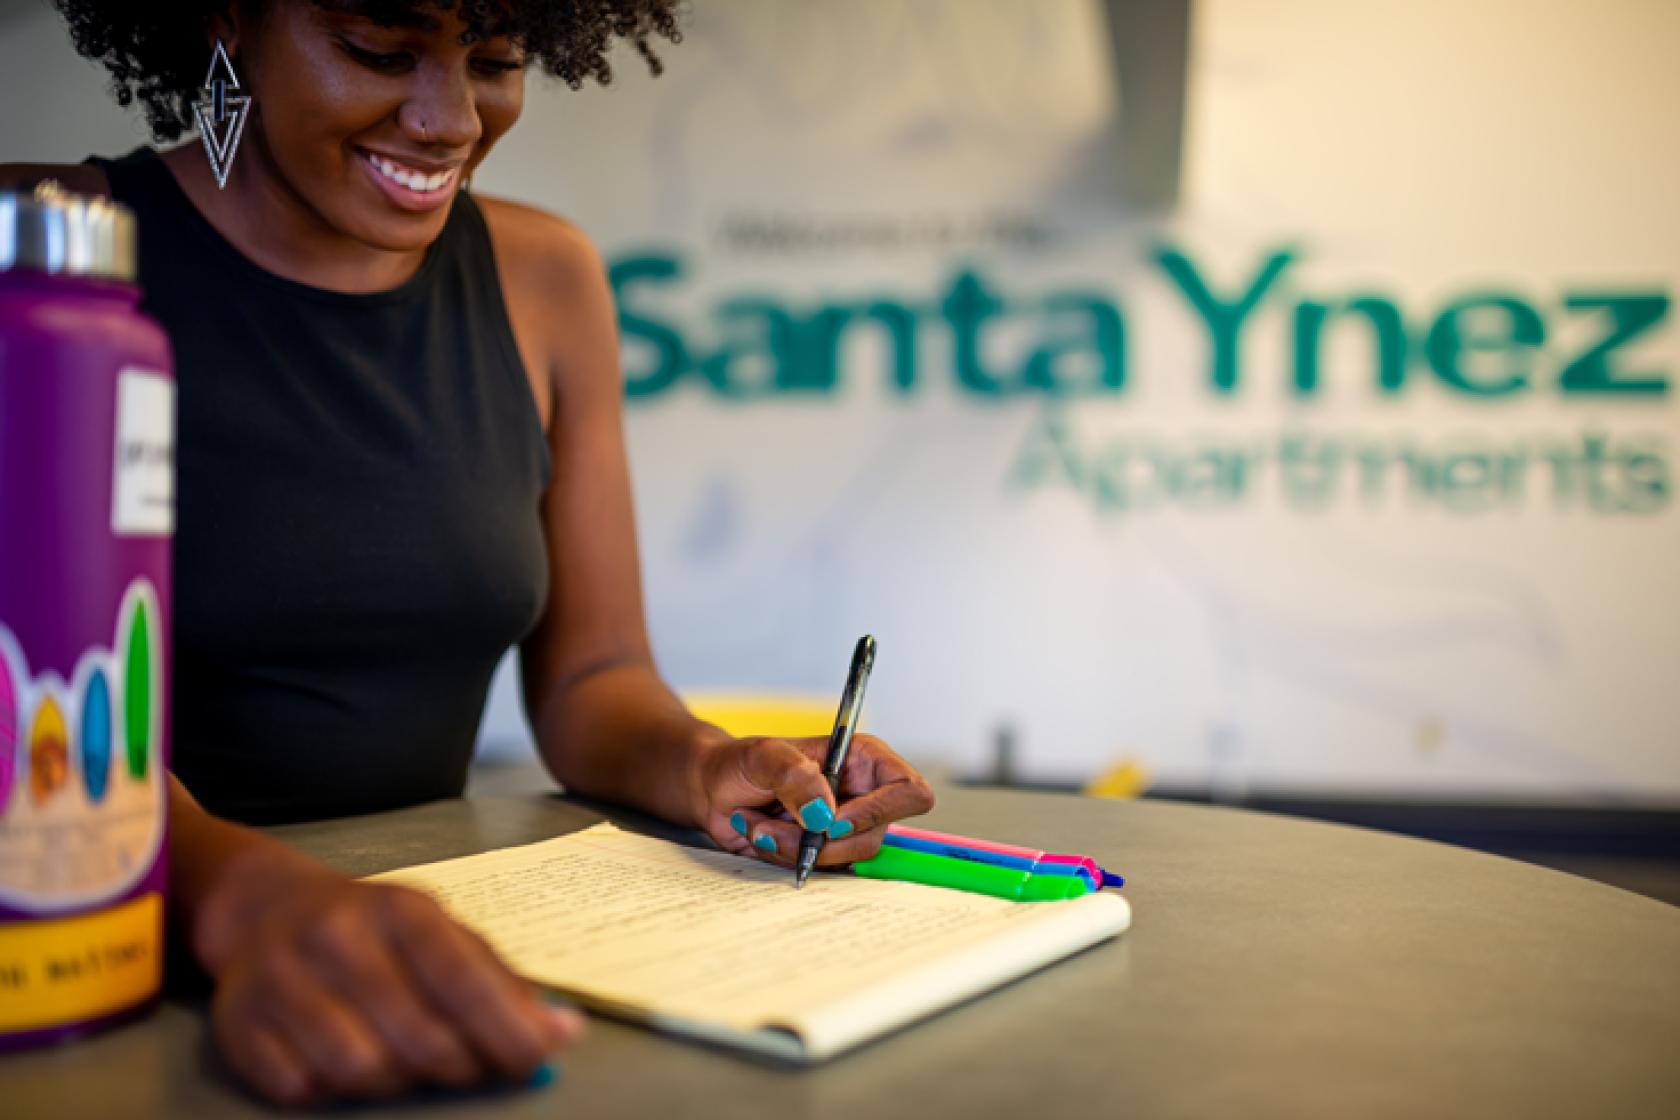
column 221, row 115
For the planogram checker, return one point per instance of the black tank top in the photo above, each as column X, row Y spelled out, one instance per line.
column 358, row 533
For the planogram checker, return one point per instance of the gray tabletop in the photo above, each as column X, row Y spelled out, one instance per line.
column 1275, row 967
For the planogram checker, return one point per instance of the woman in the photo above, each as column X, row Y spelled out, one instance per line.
column 400, row 450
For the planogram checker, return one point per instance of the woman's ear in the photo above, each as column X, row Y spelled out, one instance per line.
column 225, row 24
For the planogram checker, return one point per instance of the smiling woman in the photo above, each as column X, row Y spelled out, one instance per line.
column 368, row 112
column 399, row 451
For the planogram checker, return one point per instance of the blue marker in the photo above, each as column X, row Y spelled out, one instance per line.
column 992, row 859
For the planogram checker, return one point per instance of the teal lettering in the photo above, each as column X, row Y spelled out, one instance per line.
column 1214, row 477
column 900, row 323
column 1388, row 338
column 1373, row 462
column 758, row 334
column 1595, row 447
column 829, row 328
column 1420, row 471
column 1103, row 339
column 1496, row 325
column 666, row 340
column 967, row 308
column 1647, row 477
column 809, row 352
column 1224, row 317
column 1629, row 317
column 1308, row 470
column 1467, row 482
column 1047, row 452
column 1112, row 488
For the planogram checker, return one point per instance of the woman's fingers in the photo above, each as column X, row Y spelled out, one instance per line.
column 871, row 764
column 267, row 1063
column 778, row 842
column 785, row 777
column 346, row 989
column 855, row 847
column 733, row 829
column 792, row 778
column 873, row 811
column 346, row 1056
column 341, row 1053
column 879, row 788
column 466, row 983
column 358, row 963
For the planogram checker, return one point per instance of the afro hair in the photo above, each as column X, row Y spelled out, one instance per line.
column 155, row 52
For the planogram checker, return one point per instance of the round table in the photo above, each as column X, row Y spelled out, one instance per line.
column 1275, row 967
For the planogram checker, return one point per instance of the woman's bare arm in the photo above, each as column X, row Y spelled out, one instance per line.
column 605, row 723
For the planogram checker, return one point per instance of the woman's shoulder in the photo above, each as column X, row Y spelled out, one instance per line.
column 557, row 293
column 538, row 247
column 79, row 178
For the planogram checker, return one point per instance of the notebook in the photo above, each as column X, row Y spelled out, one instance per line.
column 722, row 949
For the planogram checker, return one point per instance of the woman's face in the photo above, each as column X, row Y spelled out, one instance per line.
column 375, row 127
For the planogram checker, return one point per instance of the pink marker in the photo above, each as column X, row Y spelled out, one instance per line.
column 1009, row 855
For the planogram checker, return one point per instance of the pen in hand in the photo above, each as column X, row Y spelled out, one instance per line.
column 839, row 742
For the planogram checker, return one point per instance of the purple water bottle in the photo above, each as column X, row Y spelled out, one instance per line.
column 87, row 477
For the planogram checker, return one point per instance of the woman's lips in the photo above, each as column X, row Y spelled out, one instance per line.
column 388, row 174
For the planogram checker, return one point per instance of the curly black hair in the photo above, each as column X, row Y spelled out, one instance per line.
column 156, row 54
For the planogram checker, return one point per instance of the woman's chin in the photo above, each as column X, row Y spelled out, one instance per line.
column 398, row 233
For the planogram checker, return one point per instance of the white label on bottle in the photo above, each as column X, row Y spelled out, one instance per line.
column 143, row 477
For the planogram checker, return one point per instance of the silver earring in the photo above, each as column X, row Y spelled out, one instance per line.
column 221, row 115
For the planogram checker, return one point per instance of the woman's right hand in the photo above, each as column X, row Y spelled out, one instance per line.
column 329, row 988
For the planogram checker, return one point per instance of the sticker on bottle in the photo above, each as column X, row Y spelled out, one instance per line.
column 143, row 461
column 83, row 788
column 59, row 971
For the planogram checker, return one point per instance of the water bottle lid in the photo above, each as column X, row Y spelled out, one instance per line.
column 51, row 230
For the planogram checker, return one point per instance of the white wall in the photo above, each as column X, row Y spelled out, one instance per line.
column 1510, row 640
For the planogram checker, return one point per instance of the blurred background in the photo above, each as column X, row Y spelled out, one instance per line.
column 1265, row 401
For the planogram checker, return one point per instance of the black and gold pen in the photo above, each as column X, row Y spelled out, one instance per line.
column 839, row 742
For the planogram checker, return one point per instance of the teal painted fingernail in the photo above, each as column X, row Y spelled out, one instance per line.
column 816, row 815
column 838, row 829
column 738, row 822
column 765, row 842
column 545, row 1075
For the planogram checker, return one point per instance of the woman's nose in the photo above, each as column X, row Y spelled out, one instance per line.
column 440, row 111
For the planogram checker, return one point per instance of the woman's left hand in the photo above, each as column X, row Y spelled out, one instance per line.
column 755, row 797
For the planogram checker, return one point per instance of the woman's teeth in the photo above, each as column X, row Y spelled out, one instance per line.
column 413, row 180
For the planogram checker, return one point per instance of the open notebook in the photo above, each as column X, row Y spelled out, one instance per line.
column 716, row 947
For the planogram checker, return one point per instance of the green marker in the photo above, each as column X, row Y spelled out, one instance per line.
column 910, row 866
